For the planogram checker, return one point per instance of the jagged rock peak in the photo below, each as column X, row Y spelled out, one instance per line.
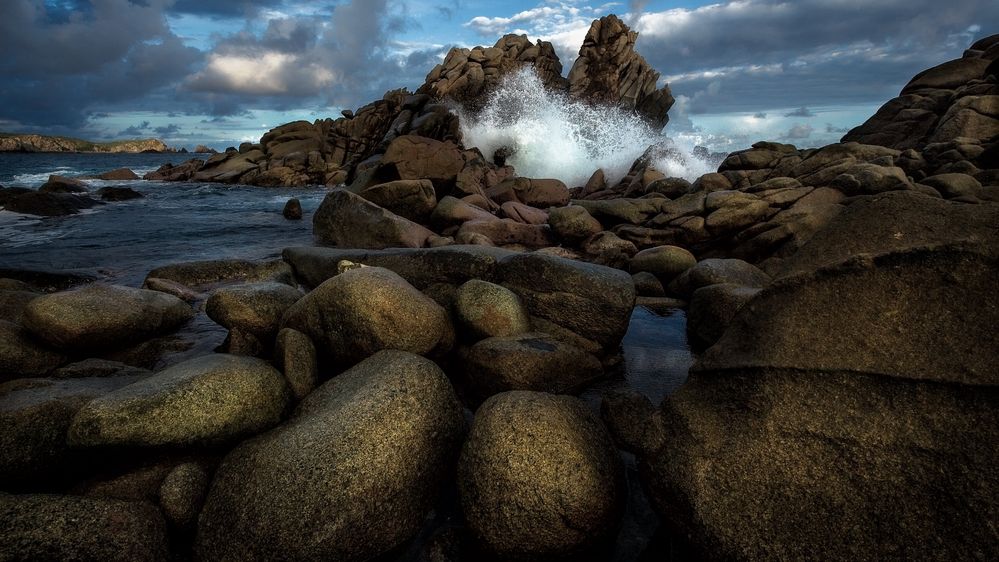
column 608, row 70
column 468, row 76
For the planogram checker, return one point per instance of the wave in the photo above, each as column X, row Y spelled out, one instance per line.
column 553, row 136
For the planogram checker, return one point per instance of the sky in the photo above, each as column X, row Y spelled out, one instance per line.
column 220, row 72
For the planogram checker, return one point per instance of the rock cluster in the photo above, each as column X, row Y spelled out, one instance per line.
column 842, row 301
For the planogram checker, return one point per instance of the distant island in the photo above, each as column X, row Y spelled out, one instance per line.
column 14, row 142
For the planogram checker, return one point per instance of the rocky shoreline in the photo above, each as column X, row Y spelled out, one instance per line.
column 10, row 142
column 842, row 300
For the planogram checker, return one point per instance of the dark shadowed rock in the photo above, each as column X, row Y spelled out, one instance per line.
column 648, row 285
column 182, row 493
column 118, row 175
column 292, row 209
column 204, row 401
column 531, row 361
column 712, row 309
column 21, row 355
column 51, row 527
column 714, row 271
column 35, row 415
column 119, row 193
column 49, row 204
column 103, row 316
column 629, row 417
column 539, row 477
column 362, row 311
column 350, row 476
column 62, row 184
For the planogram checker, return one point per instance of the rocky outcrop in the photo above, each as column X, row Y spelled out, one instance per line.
column 40, row 143
column 468, row 76
column 817, row 424
column 950, row 107
column 609, row 71
column 44, row 204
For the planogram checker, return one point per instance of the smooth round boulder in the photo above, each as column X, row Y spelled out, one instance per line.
column 665, row 262
column 648, row 285
column 539, row 477
column 531, row 361
column 205, row 401
column 350, row 476
column 100, row 317
column 295, row 356
column 486, row 309
column 255, row 307
column 362, row 311
column 51, row 527
column 573, row 224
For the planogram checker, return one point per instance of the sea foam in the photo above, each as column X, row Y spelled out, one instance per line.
column 553, row 136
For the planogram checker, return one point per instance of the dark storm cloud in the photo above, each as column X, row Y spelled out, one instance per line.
column 223, row 8
column 56, row 70
column 814, row 52
column 167, row 130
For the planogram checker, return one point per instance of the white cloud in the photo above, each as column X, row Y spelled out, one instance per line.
column 270, row 73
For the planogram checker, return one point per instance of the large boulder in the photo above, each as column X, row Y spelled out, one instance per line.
column 573, row 224
column 208, row 400
column 665, row 262
column 713, row 271
column 51, row 527
column 590, row 300
column 199, row 274
column 100, row 317
column 62, row 184
column 420, row 158
column 361, row 311
column 350, row 221
column 23, row 356
column 712, row 309
column 35, row 415
column 349, row 477
column 528, row 361
column 508, row 231
column 841, row 413
column 118, row 174
column 539, row 477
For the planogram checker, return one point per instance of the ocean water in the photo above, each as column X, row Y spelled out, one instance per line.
column 176, row 221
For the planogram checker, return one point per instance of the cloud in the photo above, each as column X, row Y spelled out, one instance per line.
column 167, row 130
column 830, row 128
column 816, row 52
column 800, row 112
column 760, row 115
column 798, row 131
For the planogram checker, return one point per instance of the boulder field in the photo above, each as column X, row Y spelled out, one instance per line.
column 420, row 386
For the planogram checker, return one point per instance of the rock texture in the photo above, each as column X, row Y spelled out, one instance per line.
column 41, row 143
column 349, row 477
column 609, row 71
column 539, row 477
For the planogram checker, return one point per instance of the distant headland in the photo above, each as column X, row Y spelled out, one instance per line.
column 15, row 142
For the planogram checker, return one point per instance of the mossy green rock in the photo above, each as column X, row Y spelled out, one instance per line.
column 486, row 309
column 204, row 401
column 51, row 527
column 103, row 316
column 539, row 477
column 350, row 476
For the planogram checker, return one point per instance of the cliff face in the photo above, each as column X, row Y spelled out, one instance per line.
column 41, row 143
